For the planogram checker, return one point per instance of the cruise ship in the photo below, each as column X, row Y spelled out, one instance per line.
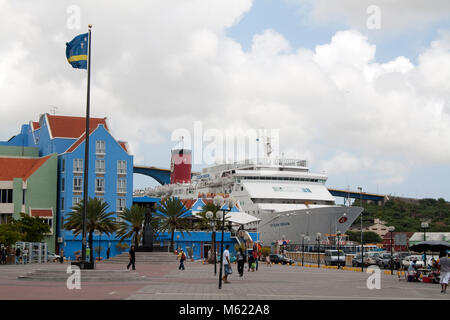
column 290, row 201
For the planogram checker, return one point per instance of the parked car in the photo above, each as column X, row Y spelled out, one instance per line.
column 372, row 257
column 384, row 260
column 51, row 257
column 278, row 258
column 356, row 261
column 333, row 258
column 407, row 261
column 398, row 257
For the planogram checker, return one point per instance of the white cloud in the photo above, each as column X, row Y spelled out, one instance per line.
column 397, row 16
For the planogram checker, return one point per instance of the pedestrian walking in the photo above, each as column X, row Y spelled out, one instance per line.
column 268, row 261
column 4, row 253
column 182, row 257
column 88, row 254
column 108, row 251
column 240, row 262
column 226, row 264
column 251, row 263
column 132, row 256
column 61, row 256
column 255, row 256
column 444, row 268
column 18, row 253
column 25, row 256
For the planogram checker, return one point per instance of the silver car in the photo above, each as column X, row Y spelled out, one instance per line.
column 333, row 258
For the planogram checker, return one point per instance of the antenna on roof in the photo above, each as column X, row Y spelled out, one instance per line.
column 53, row 109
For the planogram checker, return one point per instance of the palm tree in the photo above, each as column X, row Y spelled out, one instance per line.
column 131, row 224
column 171, row 215
column 97, row 220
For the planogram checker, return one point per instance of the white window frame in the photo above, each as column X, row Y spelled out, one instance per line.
column 100, row 166
column 100, row 185
column 121, row 166
column 121, row 186
column 78, row 165
column 77, row 187
column 120, row 204
column 100, row 147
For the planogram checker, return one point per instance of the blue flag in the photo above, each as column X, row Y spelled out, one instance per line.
column 77, row 51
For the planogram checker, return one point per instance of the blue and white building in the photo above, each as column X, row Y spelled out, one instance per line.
column 110, row 169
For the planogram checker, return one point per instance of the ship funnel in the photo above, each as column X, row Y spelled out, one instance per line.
column 180, row 166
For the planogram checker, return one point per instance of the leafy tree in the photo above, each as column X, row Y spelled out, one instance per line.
column 32, row 228
column 368, row 237
column 131, row 224
column 9, row 234
column 97, row 220
column 170, row 215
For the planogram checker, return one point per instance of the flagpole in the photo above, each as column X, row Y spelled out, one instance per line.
column 86, row 152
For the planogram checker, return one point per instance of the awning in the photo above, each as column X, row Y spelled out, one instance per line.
column 240, row 217
column 41, row 212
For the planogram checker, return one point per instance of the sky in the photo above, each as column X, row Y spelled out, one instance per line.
column 359, row 88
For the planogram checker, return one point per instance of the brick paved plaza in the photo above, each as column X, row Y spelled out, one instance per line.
column 197, row 282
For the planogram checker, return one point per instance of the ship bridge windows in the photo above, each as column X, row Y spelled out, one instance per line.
column 291, row 201
column 283, row 179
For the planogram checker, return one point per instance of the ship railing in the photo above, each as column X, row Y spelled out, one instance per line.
column 275, row 162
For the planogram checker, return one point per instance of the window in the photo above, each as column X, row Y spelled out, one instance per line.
column 63, row 182
column 121, row 166
column 100, row 147
column 120, row 204
column 6, row 196
column 62, row 204
column 121, row 185
column 48, row 221
column 77, row 165
column 100, row 166
column 76, row 200
column 23, row 196
column 63, row 165
column 77, row 183
column 99, row 185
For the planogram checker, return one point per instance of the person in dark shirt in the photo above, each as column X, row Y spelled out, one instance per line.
column 132, row 258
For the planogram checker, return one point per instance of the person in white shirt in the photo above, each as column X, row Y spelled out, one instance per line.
column 226, row 264
column 444, row 268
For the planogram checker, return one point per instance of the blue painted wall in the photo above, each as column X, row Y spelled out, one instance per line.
column 113, row 153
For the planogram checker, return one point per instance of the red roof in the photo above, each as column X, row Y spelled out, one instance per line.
column 72, row 127
column 11, row 168
column 188, row 203
column 35, row 125
column 41, row 212
column 123, row 145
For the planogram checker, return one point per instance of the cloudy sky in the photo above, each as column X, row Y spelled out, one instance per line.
column 361, row 89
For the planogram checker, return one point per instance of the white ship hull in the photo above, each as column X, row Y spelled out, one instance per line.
column 290, row 225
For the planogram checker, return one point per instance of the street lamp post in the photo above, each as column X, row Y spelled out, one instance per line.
column 318, row 236
column 338, row 234
column 362, row 243
column 425, row 226
column 210, row 217
column 303, row 247
column 218, row 201
column 391, row 229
